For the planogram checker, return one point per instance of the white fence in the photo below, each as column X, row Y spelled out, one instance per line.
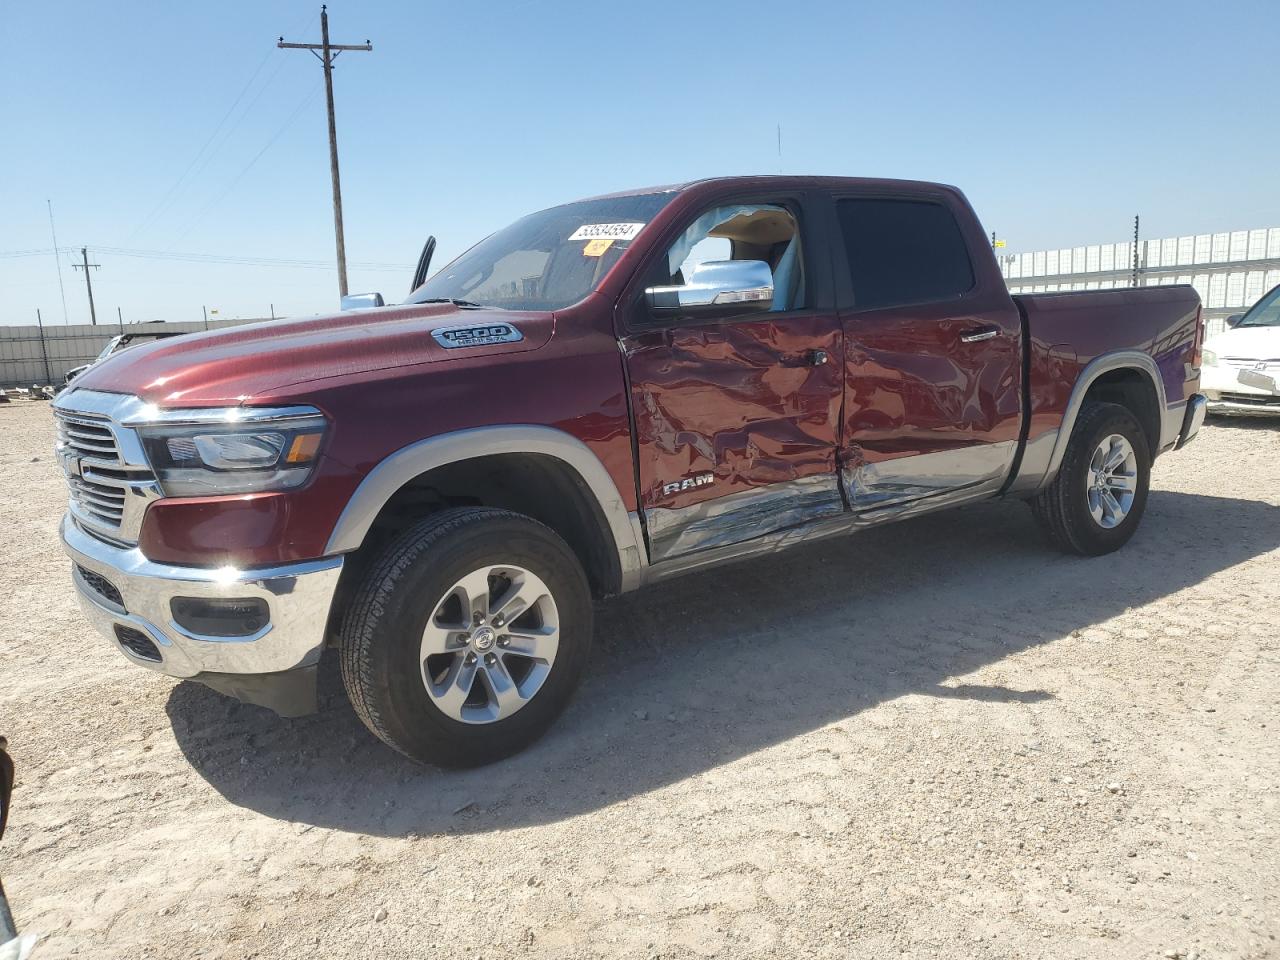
column 1229, row 270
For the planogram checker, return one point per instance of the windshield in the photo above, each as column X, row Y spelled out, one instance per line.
column 1264, row 313
column 547, row 260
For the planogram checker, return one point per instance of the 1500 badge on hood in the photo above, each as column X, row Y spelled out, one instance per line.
column 476, row 335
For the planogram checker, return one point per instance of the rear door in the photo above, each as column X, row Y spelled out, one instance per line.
column 932, row 352
column 736, row 418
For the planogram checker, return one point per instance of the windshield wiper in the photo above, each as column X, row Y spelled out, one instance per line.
column 454, row 300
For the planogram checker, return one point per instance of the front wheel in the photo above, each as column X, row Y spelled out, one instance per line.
column 1096, row 502
column 467, row 637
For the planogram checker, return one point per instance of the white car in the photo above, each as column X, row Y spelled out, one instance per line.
column 1241, row 371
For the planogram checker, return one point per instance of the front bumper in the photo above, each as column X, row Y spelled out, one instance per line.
column 1226, row 394
column 127, row 598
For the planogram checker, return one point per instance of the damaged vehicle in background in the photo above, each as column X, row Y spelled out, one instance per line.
column 115, row 345
column 1241, row 373
column 602, row 395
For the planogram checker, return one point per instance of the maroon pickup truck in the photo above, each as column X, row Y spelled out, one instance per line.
column 599, row 396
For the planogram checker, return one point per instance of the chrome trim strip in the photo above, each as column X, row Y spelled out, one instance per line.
column 674, row 531
column 418, row 458
column 130, row 411
column 873, row 486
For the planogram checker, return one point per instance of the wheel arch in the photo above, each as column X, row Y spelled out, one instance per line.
column 536, row 470
column 1129, row 378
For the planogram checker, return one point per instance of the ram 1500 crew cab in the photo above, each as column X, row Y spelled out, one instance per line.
column 599, row 396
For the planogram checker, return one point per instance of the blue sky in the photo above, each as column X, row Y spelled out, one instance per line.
column 1059, row 120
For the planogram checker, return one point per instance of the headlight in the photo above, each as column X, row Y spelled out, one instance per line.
column 207, row 459
column 1209, row 358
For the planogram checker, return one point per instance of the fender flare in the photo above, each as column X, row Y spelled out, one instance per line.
column 382, row 482
column 1108, row 362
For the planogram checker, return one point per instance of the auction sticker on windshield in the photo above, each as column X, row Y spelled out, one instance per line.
column 606, row 231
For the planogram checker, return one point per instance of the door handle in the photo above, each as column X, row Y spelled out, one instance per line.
column 810, row 358
column 978, row 334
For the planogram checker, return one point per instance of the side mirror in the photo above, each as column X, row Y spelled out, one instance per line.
column 716, row 288
column 358, row 301
column 1234, row 320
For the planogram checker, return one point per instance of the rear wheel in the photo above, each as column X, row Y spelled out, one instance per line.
column 1096, row 502
column 467, row 637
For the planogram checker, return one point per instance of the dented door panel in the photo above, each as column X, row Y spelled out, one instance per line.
column 735, row 427
column 926, row 412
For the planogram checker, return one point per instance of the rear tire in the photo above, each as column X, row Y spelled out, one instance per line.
column 1095, row 503
column 466, row 638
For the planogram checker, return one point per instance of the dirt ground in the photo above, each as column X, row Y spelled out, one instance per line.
column 934, row 739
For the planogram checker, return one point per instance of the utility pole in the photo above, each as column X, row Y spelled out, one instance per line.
column 1135, row 251
column 44, row 350
column 84, row 254
column 329, row 53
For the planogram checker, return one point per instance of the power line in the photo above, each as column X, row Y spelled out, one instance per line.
column 57, row 262
column 232, row 259
column 328, row 53
column 204, row 151
column 306, row 102
column 173, row 187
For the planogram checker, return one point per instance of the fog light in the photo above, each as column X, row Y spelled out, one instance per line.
column 241, row 617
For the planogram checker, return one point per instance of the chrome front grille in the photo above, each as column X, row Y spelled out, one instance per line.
column 109, row 489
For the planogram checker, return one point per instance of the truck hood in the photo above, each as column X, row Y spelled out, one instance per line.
column 232, row 365
column 1249, row 343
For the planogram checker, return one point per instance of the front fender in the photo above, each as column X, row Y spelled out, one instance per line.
column 382, row 483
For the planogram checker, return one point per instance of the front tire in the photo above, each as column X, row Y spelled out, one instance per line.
column 1095, row 503
column 466, row 638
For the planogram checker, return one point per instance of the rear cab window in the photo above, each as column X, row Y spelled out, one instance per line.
column 901, row 252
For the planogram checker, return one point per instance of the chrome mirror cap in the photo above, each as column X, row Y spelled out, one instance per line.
column 747, row 284
column 359, row 301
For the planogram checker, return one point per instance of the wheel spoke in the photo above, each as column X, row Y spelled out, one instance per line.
column 440, row 638
column 473, row 591
column 523, row 594
column 451, row 693
column 1127, row 482
column 1115, row 456
column 538, row 643
column 504, row 695
column 1112, row 507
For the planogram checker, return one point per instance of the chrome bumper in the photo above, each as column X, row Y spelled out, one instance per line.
column 298, row 597
column 1192, row 420
column 1218, row 405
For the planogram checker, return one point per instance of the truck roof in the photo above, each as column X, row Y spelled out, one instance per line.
column 766, row 180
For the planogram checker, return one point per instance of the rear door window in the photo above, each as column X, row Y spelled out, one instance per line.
column 903, row 252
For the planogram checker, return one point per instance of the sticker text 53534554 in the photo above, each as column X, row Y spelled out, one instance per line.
column 606, row 231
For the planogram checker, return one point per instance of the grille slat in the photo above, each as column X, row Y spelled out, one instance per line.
column 84, row 438
column 108, row 478
column 100, row 483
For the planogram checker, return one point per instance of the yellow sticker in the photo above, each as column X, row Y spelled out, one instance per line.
column 596, row 248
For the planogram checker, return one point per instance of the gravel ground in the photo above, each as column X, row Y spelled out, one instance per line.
column 934, row 739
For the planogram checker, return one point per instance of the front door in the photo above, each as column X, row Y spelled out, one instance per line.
column 932, row 354
column 736, row 416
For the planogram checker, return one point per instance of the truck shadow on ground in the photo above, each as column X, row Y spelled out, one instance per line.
column 698, row 672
